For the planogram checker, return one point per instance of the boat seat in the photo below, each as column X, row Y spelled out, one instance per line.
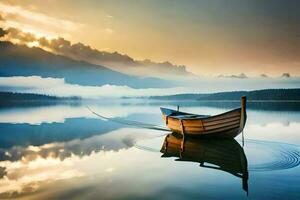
column 189, row 116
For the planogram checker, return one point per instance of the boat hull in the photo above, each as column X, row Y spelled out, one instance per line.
column 227, row 125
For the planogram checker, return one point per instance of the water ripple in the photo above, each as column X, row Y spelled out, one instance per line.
column 280, row 155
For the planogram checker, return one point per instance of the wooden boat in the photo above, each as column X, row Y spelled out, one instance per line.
column 224, row 154
column 228, row 124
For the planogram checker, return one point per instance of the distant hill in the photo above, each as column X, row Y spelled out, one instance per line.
column 14, row 96
column 180, row 97
column 15, row 99
column 256, row 95
column 20, row 60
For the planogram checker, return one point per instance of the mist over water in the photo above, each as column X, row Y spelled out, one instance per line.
column 59, row 87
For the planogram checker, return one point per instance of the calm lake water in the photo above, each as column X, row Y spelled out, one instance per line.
column 63, row 151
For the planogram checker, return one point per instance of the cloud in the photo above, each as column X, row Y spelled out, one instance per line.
column 33, row 82
column 22, row 37
column 36, row 22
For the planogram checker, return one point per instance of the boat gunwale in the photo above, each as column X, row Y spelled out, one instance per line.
column 201, row 118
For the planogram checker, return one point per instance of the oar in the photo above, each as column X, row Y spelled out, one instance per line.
column 130, row 122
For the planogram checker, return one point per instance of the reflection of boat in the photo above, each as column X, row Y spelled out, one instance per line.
column 225, row 154
column 228, row 124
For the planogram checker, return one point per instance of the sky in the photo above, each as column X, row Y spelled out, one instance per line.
column 209, row 37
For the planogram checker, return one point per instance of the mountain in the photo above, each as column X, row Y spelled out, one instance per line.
column 285, row 75
column 241, row 76
column 116, row 61
column 20, row 60
column 256, row 95
column 112, row 60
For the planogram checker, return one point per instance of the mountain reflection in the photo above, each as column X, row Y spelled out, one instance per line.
column 111, row 141
column 45, row 133
column 225, row 154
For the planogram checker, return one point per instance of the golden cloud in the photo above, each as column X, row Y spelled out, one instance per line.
column 36, row 22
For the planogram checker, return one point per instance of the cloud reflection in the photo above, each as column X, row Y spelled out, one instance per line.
column 25, row 169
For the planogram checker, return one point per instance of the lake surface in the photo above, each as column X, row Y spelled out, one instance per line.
column 63, row 151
